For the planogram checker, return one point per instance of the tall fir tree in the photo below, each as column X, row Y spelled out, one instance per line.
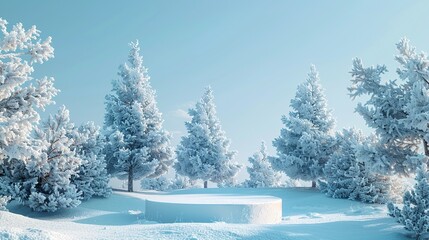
column 92, row 178
column 204, row 153
column 397, row 110
column 305, row 144
column 20, row 95
column 137, row 146
column 261, row 173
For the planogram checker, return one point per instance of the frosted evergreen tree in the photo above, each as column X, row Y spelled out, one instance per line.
column 346, row 177
column 204, row 153
column 305, row 144
column 20, row 94
column 137, row 146
column 397, row 111
column 261, row 174
column 92, row 178
column 46, row 183
column 414, row 214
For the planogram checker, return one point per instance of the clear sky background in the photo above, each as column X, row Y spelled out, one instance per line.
column 252, row 53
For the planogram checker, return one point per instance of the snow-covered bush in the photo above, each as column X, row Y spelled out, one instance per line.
column 92, row 178
column 305, row 144
column 228, row 183
column 46, row 183
column 182, row 182
column 204, row 153
column 160, row 183
column 261, row 174
column 398, row 111
column 346, row 177
column 163, row 183
column 3, row 202
column 137, row 146
column 414, row 214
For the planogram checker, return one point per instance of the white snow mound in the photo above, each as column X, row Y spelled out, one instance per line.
column 215, row 208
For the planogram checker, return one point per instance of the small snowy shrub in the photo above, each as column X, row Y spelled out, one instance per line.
column 414, row 214
column 228, row 183
column 160, row 183
column 3, row 202
column 182, row 182
column 346, row 177
column 46, row 185
column 163, row 183
column 261, row 174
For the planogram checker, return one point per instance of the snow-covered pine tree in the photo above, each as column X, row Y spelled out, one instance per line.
column 261, row 174
column 47, row 185
column 204, row 153
column 397, row 111
column 20, row 94
column 346, row 177
column 305, row 144
column 414, row 214
column 137, row 146
column 92, row 178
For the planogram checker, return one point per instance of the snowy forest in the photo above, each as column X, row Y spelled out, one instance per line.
column 48, row 165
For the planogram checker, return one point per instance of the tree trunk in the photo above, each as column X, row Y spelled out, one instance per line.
column 205, row 184
column 313, row 184
column 130, row 179
column 425, row 146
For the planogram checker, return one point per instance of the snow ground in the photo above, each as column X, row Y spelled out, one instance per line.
column 307, row 214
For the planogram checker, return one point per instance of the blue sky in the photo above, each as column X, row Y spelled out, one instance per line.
column 252, row 53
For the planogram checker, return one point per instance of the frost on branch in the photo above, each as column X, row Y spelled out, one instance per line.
column 20, row 95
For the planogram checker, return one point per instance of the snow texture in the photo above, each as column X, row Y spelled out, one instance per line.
column 204, row 153
column 137, row 146
column 305, row 144
column 306, row 214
